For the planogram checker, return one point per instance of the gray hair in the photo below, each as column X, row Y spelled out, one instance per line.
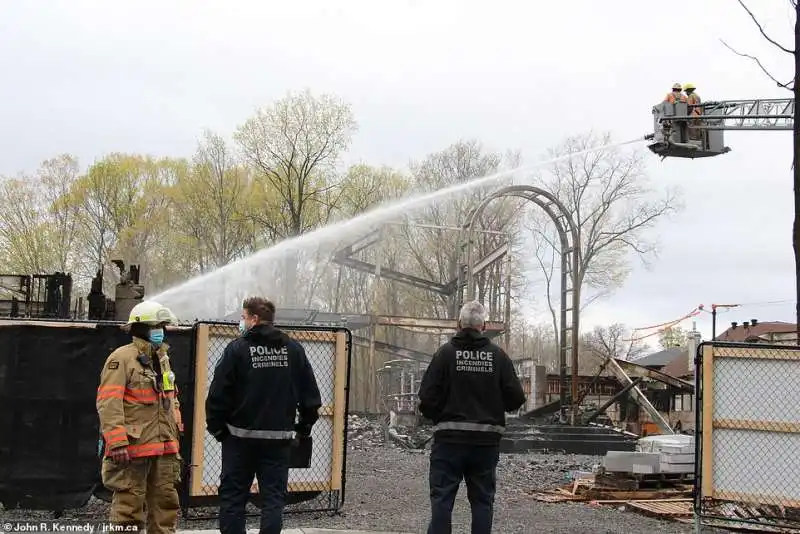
column 472, row 315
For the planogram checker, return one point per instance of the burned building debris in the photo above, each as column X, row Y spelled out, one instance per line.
column 36, row 295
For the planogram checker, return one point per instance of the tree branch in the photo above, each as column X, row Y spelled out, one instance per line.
column 787, row 85
column 763, row 33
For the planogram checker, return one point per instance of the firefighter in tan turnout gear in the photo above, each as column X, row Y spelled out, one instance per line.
column 140, row 422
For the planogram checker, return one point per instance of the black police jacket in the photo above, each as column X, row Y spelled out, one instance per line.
column 261, row 382
column 467, row 389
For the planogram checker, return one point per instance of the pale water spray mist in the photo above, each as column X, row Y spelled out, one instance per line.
column 220, row 292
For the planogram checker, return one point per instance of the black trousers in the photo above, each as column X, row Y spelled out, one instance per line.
column 477, row 466
column 242, row 460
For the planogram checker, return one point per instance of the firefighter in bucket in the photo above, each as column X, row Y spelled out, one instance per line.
column 140, row 423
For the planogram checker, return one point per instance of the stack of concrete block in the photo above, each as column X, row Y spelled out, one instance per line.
column 677, row 452
column 657, row 443
column 655, row 454
column 640, row 463
column 677, row 462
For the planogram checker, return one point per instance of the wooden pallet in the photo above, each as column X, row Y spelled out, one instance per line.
column 555, row 497
column 617, row 496
column 671, row 508
column 632, row 482
column 607, row 496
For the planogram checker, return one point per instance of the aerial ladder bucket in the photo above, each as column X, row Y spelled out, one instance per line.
column 680, row 131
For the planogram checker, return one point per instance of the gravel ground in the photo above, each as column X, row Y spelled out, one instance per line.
column 387, row 490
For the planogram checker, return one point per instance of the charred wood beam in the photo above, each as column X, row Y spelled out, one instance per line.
column 490, row 258
column 640, row 370
column 595, row 380
column 345, row 257
column 389, row 274
column 546, row 409
column 621, row 393
column 640, row 397
column 394, row 350
column 359, row 245
column 432, row 324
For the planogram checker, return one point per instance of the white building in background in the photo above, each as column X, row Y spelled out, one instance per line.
column 534, row 383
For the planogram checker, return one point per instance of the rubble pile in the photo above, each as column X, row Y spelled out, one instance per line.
column 364, row 432
column 411, row 437
column 368, row 432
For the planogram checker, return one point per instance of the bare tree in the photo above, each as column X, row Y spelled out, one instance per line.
column 607, row 195
column 545, row 253
column 56, row 176
column 614, row 342
column 122, row 207
column 211, row 204
column 794, row 86
column 531, row 341
column 437, row 253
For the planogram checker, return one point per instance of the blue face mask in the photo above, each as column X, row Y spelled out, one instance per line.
column 157, row 336
column 241, row 326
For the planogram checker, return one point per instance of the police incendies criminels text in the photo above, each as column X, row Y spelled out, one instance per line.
column 262, row 357
column 474, row 361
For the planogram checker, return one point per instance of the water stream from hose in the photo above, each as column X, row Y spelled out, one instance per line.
column 217, row 293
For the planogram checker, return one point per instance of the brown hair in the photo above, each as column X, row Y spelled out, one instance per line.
column 261, row 308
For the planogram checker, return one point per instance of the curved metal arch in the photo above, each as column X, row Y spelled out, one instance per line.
column 569, row 238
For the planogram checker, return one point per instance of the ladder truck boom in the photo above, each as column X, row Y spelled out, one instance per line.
column 696, row 131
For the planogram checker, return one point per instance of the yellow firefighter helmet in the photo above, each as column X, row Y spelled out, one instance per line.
column 150, row 312
column 689, row 86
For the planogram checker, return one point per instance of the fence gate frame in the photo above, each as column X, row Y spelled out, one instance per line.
column 710, row 501
column 327, row 499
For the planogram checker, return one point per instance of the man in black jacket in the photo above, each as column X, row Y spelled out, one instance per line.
column 468, row 387
column 262, row 380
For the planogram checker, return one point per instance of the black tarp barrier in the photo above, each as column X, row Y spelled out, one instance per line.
column 49, row 373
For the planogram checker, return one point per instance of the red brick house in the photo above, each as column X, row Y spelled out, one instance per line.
column 774, row 332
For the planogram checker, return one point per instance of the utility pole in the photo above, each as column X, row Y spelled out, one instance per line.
column 713, row 322
column 714, row 317
column 796, row 169
column 507, row 311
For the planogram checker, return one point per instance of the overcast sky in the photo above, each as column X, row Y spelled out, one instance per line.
column 91, row 77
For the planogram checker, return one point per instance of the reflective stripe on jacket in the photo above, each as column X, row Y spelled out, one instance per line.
column 260, row 434
column 134, row 409
column 474, row 427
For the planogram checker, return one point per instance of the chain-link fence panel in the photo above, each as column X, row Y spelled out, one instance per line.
column 317, row 474
column 748, row 435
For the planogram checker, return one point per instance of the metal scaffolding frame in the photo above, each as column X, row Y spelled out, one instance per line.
column 570, row 287
column 450, row 290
